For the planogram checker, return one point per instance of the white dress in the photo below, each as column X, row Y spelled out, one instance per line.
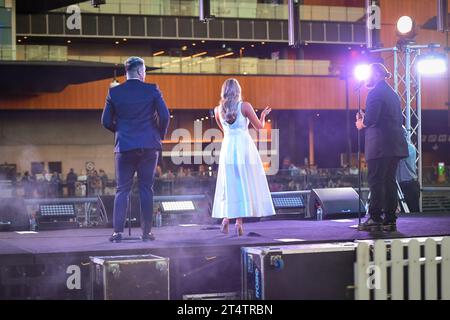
column 241, row 187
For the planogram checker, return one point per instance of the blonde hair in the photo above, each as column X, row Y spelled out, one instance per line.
column 230, row 98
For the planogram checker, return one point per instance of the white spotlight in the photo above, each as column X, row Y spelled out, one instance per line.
column 362, row 72
column 405, row 24
column 432, row 64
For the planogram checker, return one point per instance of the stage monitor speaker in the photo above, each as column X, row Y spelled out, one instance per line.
column 13, row 215
column 294, row 23
column 442, row 15
column 336, row 203
column 106, row 205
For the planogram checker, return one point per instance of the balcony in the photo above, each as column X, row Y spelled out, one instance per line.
column 177, row 20
column 246, row 9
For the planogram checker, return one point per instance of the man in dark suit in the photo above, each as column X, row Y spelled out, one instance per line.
column 136, row 112
column 385, row 145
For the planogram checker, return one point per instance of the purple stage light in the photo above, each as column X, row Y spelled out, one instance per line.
column 362, row 72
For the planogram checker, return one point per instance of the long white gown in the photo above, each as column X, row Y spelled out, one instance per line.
column 241, row 187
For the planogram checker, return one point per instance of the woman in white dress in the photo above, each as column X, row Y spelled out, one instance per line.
column 241, row 187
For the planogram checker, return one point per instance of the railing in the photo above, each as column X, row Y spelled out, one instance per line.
column 380, row 269
column 187, row 65
column 213, row 65
column 223, row 9
column 177, row 181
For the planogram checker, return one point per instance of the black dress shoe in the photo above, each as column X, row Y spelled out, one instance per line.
column 371, row 224
column 115, row 237
column 148, row 237
column 390, row 225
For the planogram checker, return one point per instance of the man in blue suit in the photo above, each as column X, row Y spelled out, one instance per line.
column 385, row 145
column 137, row 114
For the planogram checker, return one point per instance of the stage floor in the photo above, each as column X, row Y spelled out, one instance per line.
column 202, row 260
column 207, row 237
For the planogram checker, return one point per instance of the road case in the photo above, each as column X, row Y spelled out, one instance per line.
column 291, row 272
column 136, row 277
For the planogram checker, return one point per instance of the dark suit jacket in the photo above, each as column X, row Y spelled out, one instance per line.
column 136, row 112
column 384, row 135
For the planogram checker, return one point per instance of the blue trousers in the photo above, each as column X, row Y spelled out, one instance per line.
column 142, row 161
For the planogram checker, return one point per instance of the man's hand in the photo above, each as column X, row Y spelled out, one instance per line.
column 360, row 120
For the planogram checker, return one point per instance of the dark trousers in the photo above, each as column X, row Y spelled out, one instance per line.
column 142, row 161
column 71, row 189
column 383, row 187
column 411, row 191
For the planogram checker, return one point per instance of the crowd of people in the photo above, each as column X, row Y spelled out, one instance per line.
column 53, row 185
column 183, row 178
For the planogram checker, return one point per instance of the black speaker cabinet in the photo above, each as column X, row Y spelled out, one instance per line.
column 336, row 203
column 13, row 215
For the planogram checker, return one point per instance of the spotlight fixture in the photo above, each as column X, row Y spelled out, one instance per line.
column 97, row 3
column 432, row 64
column 406, row 30
column 404, row 25
column 362, row 72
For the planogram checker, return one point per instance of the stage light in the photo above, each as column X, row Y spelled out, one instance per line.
column 405, row 24
column 362, row 72
column 58, row 210
column 97, row 3
column 432, row 64
column 172, row 206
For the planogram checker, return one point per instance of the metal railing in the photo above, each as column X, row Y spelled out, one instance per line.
column 213, row 65
column 223, row 9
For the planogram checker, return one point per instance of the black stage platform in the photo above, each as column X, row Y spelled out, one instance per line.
column 202, row 259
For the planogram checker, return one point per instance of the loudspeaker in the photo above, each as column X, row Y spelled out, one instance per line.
column 442, row 15
column 204, row 10
column 335, row 202
column 106, row 205
column 13, row 215
column 294, row 23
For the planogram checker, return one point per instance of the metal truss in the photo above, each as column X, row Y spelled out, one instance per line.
column 407, row 84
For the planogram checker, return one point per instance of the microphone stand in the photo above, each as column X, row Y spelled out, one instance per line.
column 129, row 220
column 359, row 157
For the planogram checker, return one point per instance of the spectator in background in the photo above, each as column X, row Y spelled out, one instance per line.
column 181, row 173
column 28, row 184
column 407, row 177
column 96, row 184
column 54, row 184
column 104, row 179
column 71, row 179
column 168, row 175
column 286, row 164
column 158, row 172
column 202, row 170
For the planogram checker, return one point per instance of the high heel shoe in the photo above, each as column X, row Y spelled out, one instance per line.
column 239, row 230
column 224, row 227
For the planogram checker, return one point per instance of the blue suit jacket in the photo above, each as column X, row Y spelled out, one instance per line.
column 136, row 112
column 384, row 133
